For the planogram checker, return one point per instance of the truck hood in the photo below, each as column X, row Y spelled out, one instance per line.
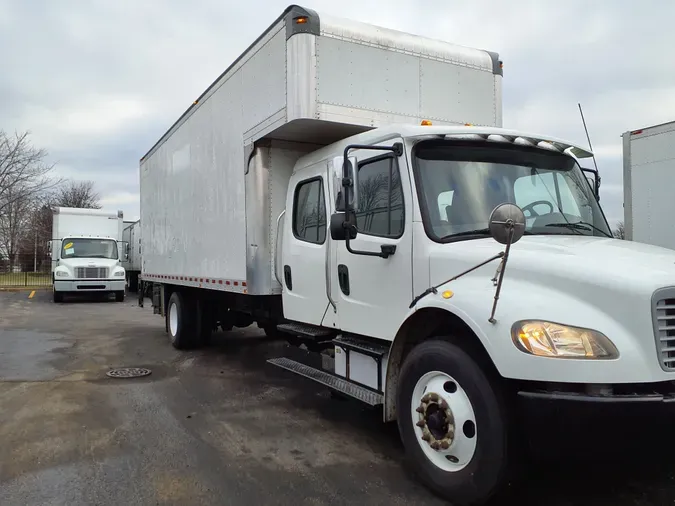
column 88, row 262
column 569, row 260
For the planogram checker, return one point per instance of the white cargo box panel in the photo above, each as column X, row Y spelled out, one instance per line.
column 213, row 186
column 72, row 221
column 649, row 179
column 132, row 236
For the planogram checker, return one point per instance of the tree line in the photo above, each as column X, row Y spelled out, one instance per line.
column 29, row 190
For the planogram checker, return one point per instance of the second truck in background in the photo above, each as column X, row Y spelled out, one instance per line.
column 87, row 251
column 648, row 182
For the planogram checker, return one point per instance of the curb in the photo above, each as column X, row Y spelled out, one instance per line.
column 24, row 288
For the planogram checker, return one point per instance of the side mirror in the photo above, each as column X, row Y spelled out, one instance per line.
column 346, row 183
column 340, row 228
column 593, row 180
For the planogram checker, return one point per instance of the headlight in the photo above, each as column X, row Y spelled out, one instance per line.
column 546, row 339
column 119, row 274
column 61, row 274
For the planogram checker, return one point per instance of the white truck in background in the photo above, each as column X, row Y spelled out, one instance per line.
column 87, row 252
column 307, row 191
column 648, row 181
column 131, row 235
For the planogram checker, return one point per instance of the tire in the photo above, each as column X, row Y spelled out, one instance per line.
column 474, row 466
column 58, row 297
column 180, row 322
column 119, row 296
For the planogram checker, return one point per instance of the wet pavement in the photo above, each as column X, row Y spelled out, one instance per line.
column 219, row 426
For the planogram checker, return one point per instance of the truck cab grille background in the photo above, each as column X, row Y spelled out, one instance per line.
column 91, row 272
column 664, row 327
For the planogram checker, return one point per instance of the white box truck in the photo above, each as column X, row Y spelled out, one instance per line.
column 131, row 236
column 87, row 251
column 648, row 180
column 306, row 191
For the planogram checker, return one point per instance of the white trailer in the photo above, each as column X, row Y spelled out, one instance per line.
column 306, row 191
column 131, row 235
column 87, row 251
column 648, row 179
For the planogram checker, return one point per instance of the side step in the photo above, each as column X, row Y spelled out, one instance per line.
column 305, row 330
column 330, row 380
column 372, row 349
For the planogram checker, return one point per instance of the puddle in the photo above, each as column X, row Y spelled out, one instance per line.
column 27, row 355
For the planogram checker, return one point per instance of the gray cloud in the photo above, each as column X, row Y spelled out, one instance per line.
column 98, row 82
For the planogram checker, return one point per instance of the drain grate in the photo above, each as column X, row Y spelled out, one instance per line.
column 129, row 372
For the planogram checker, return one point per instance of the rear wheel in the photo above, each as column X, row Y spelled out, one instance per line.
column 180, row 322
column 453, row 423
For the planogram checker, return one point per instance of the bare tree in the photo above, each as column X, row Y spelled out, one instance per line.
column 620, row 231
column 80, row 194
column 14, row 218
column 23, row 171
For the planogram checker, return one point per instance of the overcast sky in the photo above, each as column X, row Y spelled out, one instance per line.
column 98, row 82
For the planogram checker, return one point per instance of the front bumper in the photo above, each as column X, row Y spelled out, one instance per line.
column 617, row 422
column 90, row 285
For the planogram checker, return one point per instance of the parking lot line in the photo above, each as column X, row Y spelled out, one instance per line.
column 31, row 294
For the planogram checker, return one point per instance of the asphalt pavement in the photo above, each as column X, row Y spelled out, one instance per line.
column 220, row 426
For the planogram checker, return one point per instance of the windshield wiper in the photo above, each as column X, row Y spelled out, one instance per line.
column 480, row 231
column 579, row 225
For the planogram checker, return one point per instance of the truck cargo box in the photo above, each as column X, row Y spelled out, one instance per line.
column 648, row 181
column 214, row 185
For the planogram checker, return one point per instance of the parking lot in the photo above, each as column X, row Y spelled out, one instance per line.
column 219, row 426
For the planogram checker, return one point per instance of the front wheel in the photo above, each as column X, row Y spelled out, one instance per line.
column 453, row 423
column 119, row 296
column 58, row 296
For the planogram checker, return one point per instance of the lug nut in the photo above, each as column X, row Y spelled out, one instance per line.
column 434, row 397
column 435, row 445
column 444, row 444
column 426, row 438
column 420, row 409
column 444, row 405
column 425, row 399
column 421, row 424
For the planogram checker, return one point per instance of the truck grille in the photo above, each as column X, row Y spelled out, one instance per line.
column 91, row 272
column 664, row 327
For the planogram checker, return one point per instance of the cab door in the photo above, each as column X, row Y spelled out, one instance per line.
column 372, row 294
column 305, row 242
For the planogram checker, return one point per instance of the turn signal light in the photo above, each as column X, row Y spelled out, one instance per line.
column 301, row 20
column 426, row 122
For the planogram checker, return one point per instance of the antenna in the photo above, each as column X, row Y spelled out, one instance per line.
column 583, row 120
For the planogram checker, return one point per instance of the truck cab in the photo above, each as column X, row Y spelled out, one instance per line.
column 388, row 240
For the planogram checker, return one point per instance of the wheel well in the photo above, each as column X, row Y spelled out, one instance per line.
column 423, row 325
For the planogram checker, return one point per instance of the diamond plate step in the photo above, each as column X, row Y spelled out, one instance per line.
column 305, row 330
column 330, row 380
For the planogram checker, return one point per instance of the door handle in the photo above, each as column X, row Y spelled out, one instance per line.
column 287, row 277
column 343, row 278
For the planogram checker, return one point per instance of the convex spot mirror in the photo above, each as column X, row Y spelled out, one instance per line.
column 347, row 197
column 340, row 228
column 507, row 223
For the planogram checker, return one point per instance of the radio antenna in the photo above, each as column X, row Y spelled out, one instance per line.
column 588, row 137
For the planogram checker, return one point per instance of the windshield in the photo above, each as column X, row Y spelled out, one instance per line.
column 461, row 183
column 89, row 248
